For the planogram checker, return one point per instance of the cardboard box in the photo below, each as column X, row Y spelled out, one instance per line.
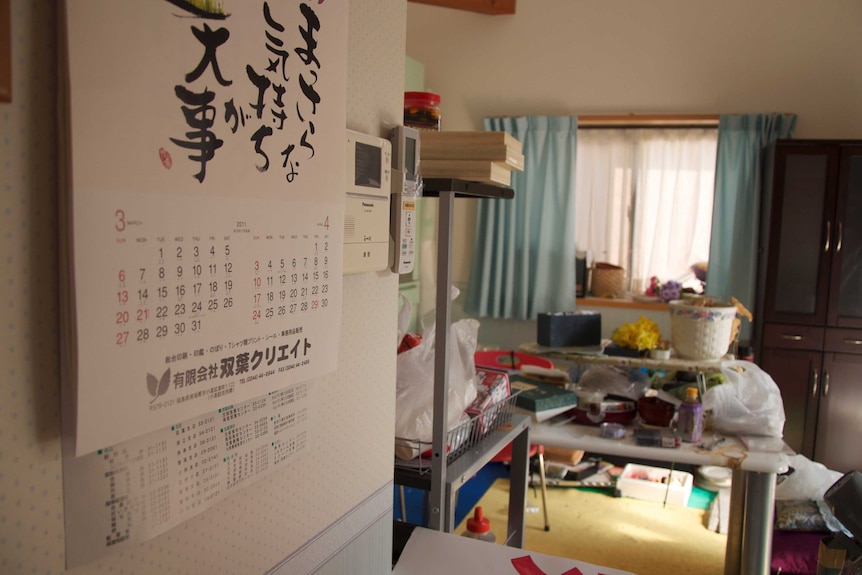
column 569, row 329
column 563, row 455
column 830, row 557
column 651, row 484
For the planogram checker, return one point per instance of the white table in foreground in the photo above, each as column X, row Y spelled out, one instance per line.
column 430, row 552
column 749, row 536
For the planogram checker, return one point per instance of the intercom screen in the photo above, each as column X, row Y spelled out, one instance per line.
column 368, row 166
column 410, row 158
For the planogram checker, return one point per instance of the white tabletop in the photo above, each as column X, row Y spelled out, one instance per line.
column 429, row 552
column 730, row 452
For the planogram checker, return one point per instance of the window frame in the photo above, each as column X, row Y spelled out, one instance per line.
column 658, row 122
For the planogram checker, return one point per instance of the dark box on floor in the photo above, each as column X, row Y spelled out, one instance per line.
column 569, row 329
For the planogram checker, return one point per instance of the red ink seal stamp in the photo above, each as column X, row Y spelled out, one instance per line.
column 165, row 157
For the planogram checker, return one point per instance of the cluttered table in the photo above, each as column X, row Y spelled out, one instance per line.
column 754, row 467
column 594, row 355
column 713, row 449
column 749, row 537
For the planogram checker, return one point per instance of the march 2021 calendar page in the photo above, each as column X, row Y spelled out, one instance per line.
column 206, row 201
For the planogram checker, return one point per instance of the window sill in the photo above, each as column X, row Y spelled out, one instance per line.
column 623, row 303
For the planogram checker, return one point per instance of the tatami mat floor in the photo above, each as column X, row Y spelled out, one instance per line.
column 643, row 537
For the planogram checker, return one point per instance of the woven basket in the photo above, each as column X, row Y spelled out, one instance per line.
column 700, row 332
column 607, row 280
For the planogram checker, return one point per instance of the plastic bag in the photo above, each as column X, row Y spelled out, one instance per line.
column 809, row 480
column 748, row 404
column 414, row 396
column 404, row 316
column 630, row 383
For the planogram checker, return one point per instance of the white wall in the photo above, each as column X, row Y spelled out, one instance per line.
column 657, row 57
column 282, row 516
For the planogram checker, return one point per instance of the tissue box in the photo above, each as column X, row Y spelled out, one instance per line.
column 570, row 329
column 650, row 483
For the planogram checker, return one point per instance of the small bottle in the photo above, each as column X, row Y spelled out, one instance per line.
column 479, row 527
column 690, row 419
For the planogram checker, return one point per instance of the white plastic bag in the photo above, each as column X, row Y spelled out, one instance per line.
column 809, row 480
column 414, row 396
column 748, row 404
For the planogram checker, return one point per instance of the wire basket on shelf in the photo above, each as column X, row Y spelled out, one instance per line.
column 460, row 439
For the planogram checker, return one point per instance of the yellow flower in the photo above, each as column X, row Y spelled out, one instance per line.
column 641, row 335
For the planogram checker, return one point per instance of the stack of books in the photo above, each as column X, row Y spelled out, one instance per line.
column 477, row 156
column 539, row 399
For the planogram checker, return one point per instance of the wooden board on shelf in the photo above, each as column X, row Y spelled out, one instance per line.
column 475, row 170
column 472, row 138
column 490, row 7
column 504, row 155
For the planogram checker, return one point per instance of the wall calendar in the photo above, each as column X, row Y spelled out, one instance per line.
column 206, row 205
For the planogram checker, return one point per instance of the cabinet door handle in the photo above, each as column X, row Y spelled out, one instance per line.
column 791, row 337
column 840, row 237
column 853, row 341
column 825, row 383
column 814, row 377
column 828, row 236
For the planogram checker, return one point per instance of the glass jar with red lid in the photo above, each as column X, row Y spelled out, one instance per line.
column 422, row 110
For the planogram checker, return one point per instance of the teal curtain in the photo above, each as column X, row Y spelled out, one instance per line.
column 742, row 141
column 524, row 251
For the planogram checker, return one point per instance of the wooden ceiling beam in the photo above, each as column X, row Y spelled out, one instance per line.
column 492, row 7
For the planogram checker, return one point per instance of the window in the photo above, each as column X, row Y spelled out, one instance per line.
column 644, row 200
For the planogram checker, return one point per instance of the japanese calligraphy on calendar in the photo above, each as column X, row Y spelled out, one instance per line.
column 206, row 197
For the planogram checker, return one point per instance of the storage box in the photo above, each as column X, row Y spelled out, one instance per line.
column 569, row 329
column 650, row 483
column 536, row 395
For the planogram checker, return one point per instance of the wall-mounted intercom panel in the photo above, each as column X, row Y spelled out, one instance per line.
column 366, row 211
column 406, row 189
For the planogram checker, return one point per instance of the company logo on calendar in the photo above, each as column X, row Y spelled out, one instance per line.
column 158, row 387
column 215, row 372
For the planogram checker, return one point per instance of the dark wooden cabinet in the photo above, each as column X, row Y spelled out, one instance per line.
column 839, row 418
column 797, row 374
column 809, row 325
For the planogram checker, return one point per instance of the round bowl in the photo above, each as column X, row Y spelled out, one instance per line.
column 609, row 410
column 655, row 411
column 701, row 332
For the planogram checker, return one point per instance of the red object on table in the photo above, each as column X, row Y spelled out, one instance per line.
column 504, row 359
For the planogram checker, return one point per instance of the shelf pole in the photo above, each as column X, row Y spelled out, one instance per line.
column 439, row 505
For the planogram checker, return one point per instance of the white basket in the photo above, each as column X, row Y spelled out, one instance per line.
column 700, row 332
